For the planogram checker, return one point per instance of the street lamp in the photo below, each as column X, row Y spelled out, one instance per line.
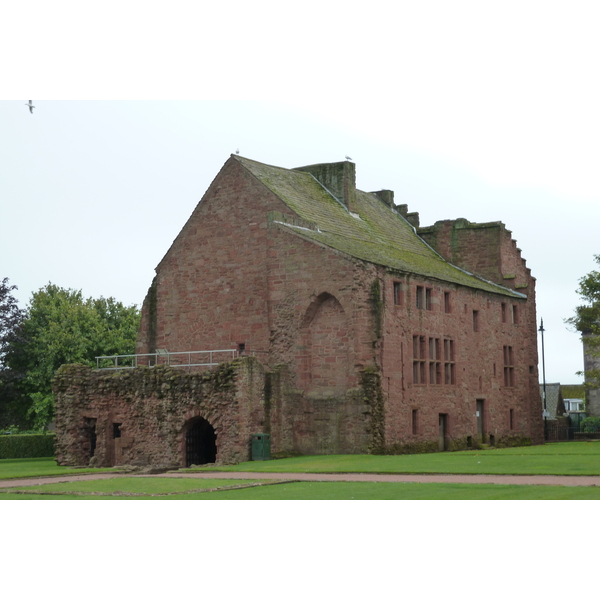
column 545, row 413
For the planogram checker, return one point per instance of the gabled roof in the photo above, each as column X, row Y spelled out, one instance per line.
column 376, row 234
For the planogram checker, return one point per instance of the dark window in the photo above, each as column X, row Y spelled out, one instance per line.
column 414, row 421
column 509, row 369
column 447, row 302
column 435, row 357
column 117, row 430
column 420, row 296
column 241, row 349
column 424, row 298
column 475, row 320
column 511, row 418
column 397, row 293
column 419, row 359
column 515, row 314
column 449, row 364
column 504, row 312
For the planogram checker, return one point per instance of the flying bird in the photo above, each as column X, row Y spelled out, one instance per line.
column 31, row 106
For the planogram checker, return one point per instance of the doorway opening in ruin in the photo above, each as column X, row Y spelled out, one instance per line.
column 89, row 436
column 200, row 443
column 443, row 433
column 479, row 412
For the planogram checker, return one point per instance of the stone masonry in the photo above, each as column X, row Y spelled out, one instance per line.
column 369, row 333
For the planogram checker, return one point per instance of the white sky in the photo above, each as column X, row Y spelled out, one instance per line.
column 482, row 110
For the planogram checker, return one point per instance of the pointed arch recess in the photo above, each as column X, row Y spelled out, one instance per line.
column 323, row 358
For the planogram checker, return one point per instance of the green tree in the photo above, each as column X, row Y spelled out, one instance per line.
column 587, row 319
column 62, row 327
column 11, row 317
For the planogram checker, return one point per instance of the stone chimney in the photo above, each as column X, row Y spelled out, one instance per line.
column 338, row 178
column 386, row 196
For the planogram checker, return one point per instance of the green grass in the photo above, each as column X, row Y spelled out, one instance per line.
column 567, row 458
column 15, row 468
column 216, row 490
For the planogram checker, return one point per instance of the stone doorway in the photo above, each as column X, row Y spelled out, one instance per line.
column 200, row 443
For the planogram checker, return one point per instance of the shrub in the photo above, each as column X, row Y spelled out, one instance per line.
column 27, row 445
column 590, row 425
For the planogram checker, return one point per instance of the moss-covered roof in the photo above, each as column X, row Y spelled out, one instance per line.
column 378, row 235
column 573, row 391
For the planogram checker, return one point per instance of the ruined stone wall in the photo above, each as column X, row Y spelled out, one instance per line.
column 153, row 408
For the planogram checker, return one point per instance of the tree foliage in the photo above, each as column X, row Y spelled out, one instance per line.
column 11, row 317
column 587, row 319
column 63, row 327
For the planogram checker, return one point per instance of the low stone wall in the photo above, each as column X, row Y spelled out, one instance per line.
column 140, row 416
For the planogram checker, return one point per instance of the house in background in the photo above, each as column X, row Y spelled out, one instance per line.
column 358, row 330
column 573, row 397
column 555, row 404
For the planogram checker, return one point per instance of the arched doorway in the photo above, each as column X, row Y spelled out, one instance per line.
column 200, row 443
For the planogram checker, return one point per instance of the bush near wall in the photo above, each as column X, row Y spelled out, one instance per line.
column 35, row 445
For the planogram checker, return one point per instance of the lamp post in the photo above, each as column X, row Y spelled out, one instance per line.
column 545, row 413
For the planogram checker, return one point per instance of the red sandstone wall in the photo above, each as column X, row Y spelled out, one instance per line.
column 479, row 364
column 212, row 283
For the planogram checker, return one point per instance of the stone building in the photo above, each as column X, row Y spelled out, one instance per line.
column 357, row 331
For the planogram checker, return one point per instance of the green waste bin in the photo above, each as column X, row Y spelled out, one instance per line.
column 261, row 446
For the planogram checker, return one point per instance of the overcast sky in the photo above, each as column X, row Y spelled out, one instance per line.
column 463, row 110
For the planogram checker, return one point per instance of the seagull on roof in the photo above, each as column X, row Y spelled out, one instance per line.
column 348, row 158
column 31, row 106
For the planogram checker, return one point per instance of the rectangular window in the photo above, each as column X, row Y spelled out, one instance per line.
column 475, row 320
column 420, row 296
column 511, row 418
column 447, row 302
column 449, row 364
column 414, row 421
column 419, row 359
column 424, row 298
column 116, row 430
column 509, row 369
column 504, row 312
column 397, row 293
column 435, row 365
column 515, row 314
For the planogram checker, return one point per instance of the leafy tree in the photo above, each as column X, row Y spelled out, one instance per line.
column 11, row 317
column 587, row 319
column 62, row 327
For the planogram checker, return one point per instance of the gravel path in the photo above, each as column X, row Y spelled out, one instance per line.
column 571, row 480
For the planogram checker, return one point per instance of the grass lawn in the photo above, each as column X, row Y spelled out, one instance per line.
column 182, row 489
column 565, row 458
column 15, row 468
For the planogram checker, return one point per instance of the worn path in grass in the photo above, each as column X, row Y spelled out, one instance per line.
column 561, row 480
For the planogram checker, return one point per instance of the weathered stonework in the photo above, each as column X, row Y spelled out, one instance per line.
column 154, row 408
column 366, row 337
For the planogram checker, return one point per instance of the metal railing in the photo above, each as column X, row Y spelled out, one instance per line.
column 199, row 358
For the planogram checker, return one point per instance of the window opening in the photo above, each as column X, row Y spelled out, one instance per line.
column 397, row 293
column 511, row 418
column 419, row 359
column 515, row 314
column 116, row 430
column 449, row 364
column 475, row 320
column 504, row 312
column 509, row 369
column 447, row 302
column 414, row 420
